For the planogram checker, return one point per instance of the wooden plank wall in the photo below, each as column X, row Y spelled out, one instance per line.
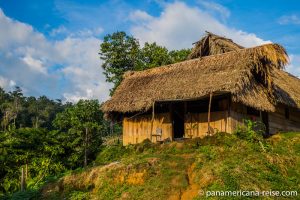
column 277, row 119
column 196, row 123
column 137, row 129
column 236, row 120
column 279, row 123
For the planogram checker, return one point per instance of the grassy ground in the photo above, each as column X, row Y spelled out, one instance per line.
column 179, row 170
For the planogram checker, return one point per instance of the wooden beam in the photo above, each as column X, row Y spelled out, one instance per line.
column 152, row 120
column 171, row 118
column 228, row 113
column 208, row 116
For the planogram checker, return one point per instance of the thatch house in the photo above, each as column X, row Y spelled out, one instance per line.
column 220, row 85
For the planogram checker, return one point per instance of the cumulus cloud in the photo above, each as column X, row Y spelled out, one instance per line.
column 179, row 25
column 213, row 8
column 294, row 66
column 289, row 19
column 6, row 83
column 65, row 68
column 34, row 64
column 63, row 31
column 139, row 16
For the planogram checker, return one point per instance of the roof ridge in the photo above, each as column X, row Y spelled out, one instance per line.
column 133, row 73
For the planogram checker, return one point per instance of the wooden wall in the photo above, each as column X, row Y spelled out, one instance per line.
column 236, row 119
column 279, row 123
column 137, row 129
column 196, row 123
column 277, row 120
column 238, row 112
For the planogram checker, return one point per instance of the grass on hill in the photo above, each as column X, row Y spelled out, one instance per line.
column 179, row 170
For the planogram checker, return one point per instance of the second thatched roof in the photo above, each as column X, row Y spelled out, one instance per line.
column 253, row 76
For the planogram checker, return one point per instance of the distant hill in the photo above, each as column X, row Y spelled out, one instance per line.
column 186, row 169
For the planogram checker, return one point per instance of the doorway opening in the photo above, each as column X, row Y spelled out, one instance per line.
column 265, row 120
column 178, row 119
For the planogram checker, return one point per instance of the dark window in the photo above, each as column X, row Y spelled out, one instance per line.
column 287, row 113
column 162, row 108
column 252, row 111
column 201, row 106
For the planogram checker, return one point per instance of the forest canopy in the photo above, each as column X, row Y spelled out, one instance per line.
column 45, row 137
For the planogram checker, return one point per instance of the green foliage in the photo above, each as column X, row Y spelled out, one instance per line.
column 251, row 130
column 35, row 148
column 26, row 195
column 78, row 195
column 17, row 111
column 222, row 162
column 110, row 154
column 179, row 55
column 83, row 124
column 122, row 53
column 45, row 138
column 153, row 55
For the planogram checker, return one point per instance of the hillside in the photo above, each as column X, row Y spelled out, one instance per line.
column 179, row 170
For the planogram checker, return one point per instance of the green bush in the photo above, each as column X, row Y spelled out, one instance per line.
column 25, row 195
column 78, row 195
column 110, row 154
column 252, row 131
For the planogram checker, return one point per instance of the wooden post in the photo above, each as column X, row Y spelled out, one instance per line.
column 228, row 114
column 260, row 116
column 172, row 122
column 208, row 117
column 152, row 121
column 22, row 180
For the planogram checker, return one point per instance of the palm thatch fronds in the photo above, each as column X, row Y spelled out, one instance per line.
column 264, row 61
column 213, row 44
column 253, row 76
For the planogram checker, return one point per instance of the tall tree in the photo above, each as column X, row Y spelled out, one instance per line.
column 153, row 55
column 83, row 123
column 179, row 55
column 121, row 53
column 11, row 107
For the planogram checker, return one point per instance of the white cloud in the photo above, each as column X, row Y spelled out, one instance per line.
column 179, row 25
column 63, row 31
column 58, row 31
column 289, row 19
column 62, row 68
column 213, row 7
column 139, row 15
column 6, row 83
column 34, row 64
column 294, row 66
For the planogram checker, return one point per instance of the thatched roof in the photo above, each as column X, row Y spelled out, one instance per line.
column 212, row 44
column 253, row 76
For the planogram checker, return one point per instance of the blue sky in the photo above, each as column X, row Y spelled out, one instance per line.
column 51, row 47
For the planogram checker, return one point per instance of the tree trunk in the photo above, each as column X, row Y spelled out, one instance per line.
column 26, row 170
column 85, row 147
column 36, row 122
column 22, row 180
